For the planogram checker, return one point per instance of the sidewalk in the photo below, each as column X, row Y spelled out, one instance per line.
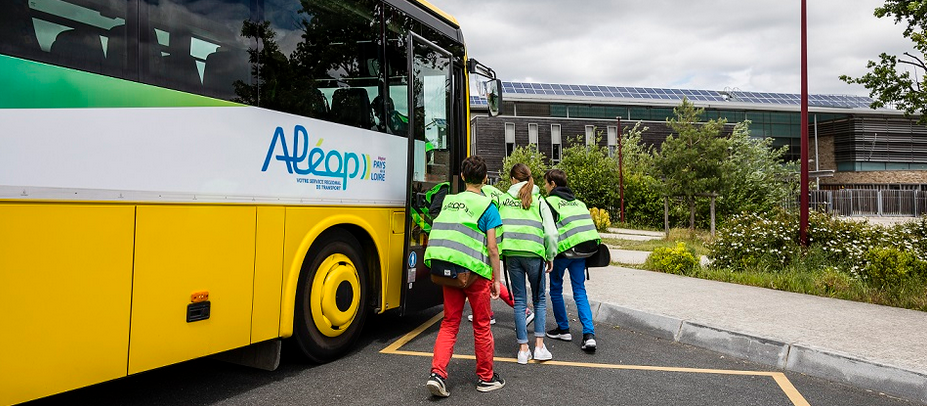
column 869, row 346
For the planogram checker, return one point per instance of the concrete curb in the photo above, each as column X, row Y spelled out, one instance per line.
column 792, row 357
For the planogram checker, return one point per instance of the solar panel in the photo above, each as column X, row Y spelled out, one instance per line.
column 619, row 92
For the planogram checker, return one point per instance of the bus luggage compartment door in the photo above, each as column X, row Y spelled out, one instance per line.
column 187, row 255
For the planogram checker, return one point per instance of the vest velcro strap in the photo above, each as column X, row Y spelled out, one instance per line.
column 460, row 228
column 522, row 222
column 456, row 246
column 576, row 230
column 523, row 237
column 564, row 221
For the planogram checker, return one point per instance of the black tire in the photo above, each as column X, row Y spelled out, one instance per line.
column 332, row 297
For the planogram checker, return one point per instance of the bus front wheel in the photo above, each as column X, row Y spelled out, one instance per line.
column 331, row 299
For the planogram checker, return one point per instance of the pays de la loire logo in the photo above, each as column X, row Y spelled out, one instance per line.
column 331, row 168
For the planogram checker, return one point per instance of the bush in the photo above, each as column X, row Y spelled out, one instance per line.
column 887, row 266
column 591, row 174
column 750, row 241
column 600, row 218
column 679, row 260
column 643, row 201
column 528, row 155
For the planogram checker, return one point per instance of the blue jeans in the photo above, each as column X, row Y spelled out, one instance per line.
column 531, row 268
column 577, row 268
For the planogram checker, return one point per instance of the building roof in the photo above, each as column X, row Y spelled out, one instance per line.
column 729, row 98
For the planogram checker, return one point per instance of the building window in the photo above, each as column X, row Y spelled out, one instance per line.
column 509, row 138
column 590, row 135
column 533, row 135
column 612, row 140
column 555, row 143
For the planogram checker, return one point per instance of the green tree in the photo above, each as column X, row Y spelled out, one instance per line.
column 637, row 157
column 755, row 179
column 887, row 82
column 592, row 174
column 528, row 155
column 691, row 161
column 643, row 202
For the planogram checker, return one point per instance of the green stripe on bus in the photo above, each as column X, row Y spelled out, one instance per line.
column 28, row 84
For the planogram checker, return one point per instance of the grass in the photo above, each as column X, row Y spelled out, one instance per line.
column 696, row 240
column 911, row 294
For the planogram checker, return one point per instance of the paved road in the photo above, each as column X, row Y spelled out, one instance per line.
column 630, row 368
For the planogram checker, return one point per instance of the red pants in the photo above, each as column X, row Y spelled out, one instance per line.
column 505, row 296
column 484, row 344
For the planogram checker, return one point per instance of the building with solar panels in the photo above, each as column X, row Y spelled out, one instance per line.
column 864, row 148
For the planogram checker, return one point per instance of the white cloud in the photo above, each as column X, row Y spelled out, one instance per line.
column 717, row 44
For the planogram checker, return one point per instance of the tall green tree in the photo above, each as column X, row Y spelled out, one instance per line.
column 888, row 81
column 691, row 160
column 643, row 201
column 755, row 178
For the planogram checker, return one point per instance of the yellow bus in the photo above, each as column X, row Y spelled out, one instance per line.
column 184, row 178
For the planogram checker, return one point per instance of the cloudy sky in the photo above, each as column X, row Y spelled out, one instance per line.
column 748, row 45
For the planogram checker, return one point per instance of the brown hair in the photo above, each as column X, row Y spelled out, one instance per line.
column 522, row 173
column 473, row 170
column 557, row 177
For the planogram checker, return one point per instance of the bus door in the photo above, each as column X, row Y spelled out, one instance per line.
column 432, row 148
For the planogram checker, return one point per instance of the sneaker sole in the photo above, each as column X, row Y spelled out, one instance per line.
column 485, row 389
column 437, row 390
column 564, row 337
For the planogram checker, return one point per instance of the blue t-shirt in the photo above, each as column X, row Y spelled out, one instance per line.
column 490, row 219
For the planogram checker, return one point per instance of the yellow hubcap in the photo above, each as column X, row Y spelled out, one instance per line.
column 336, row 282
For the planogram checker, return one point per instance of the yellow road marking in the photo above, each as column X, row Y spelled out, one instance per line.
column 412, row 334
column 794, row 396
column 790, row 391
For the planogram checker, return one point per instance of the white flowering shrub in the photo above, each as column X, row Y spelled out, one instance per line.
column 769, row 242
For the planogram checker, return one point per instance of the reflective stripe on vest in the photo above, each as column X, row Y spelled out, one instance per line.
column 456, row 237
column 522, row 229
column 575, row 225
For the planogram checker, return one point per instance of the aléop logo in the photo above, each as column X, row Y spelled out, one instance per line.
column 326, row 170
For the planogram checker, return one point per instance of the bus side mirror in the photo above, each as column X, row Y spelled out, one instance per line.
column 493, row 91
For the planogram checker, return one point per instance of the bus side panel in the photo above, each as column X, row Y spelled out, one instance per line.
column 65, row 279
column 268, row 274
column 182, row 250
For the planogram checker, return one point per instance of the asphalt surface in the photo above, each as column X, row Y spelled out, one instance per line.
column 390, row 366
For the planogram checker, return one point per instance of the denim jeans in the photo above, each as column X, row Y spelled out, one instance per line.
column 577, row 269
column 531, row 268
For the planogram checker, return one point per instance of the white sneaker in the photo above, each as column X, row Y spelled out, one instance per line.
column 588, row 343
column 524, row 357
column 529, row 316
column 491, row 321
column 542, row 354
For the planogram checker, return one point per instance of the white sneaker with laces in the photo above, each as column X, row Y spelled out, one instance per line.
column 542, row 354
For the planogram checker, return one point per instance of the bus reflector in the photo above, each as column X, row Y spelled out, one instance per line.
column 197, row 297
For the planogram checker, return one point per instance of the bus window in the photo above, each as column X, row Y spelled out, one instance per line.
column 394, row 118
column 196, row 46
column 320, row 59
column 81, row 35
column 431, row 101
